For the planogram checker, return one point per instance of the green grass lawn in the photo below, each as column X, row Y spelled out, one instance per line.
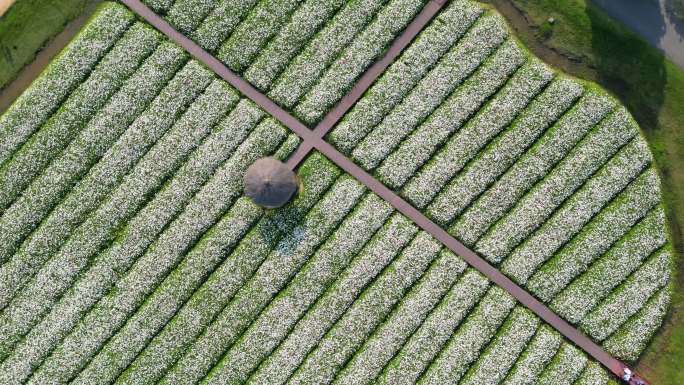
column 652, row 87
column 27, row 26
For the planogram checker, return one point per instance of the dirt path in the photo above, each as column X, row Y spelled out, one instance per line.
column 43, row 58
column 4, row 5
column 313, row 140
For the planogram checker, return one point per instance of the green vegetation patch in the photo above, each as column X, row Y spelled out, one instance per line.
column 130, row 255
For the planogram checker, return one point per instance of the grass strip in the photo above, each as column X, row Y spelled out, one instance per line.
column 261, row 24
column 372, row 306
column 581, row 208
column 221, row 22
column 536, row 356
column 303, row 71
column 57, row 275
column 272, row 276
column 495, row 362
column 415, row 62
column 595, row 239
column 369, row 360
column 466, row 343
column 540, row 202
column 104, row 177
column 366, row 48
column 453, row 69
column 187, row 15
column 550, row 149
column 311, row 328
column 62, row 76
column 576, row 300
column 627, row 299
column 304, row 23
column 449, row 117
column 82, row 110
column 429, row 339
column 198, row 215
column 112, row 263
column 564, row 368
column 527, row 82
column 275, row 322
column 633, row 337
column 505, row 150
column 317, row 175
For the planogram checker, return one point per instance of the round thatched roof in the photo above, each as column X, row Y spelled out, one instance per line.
column 270, row 183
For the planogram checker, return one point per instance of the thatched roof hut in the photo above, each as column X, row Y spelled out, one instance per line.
column 270, row 183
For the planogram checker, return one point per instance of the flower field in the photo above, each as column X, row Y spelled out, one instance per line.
column 129, row 255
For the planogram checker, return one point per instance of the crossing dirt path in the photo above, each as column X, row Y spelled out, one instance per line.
column 313, row 139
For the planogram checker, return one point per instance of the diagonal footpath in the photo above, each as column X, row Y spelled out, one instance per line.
column 331, row 119
column 313, row 139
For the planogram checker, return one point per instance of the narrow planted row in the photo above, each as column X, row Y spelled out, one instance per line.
column 65, row 73
column 305, row 54
column 537, row 172
column 190, row 202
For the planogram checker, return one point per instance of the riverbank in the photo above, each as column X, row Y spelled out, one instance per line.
column 30, row 26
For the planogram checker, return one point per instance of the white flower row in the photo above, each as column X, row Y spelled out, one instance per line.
column 263, row 22
column 464, row 102
column 494, row 160
column 535, row 207
column 424, row 345
column 301, row 74
column 187, row 15
column 594, row 240
column 45, row 182
column 398, row 80
column 575, row 301
column 239, row 219
column 495, row 362
column 146, row 225
column 199, row 214
column 221, row 22
column 317, row 175
column 501, row 110
column 466, row 343
column 306, row 20
column 363, row 269
column 577, row 210
column 359, row 55
column 98, row 229
column 550, row 149
column 288, row 147
column 58, row 273
column 369, row 360
column 539, row 352
column 628, row 298
column 159, row 6
column 633, row 337
column 594, row 374
column 275, row 271
column 80, row 112
column 179, row 286
column 363, row 316
column 62, row 76
column 283, row 312
column 565, row 367
column 103, row 177
column 432, row 90
column 146, row 177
